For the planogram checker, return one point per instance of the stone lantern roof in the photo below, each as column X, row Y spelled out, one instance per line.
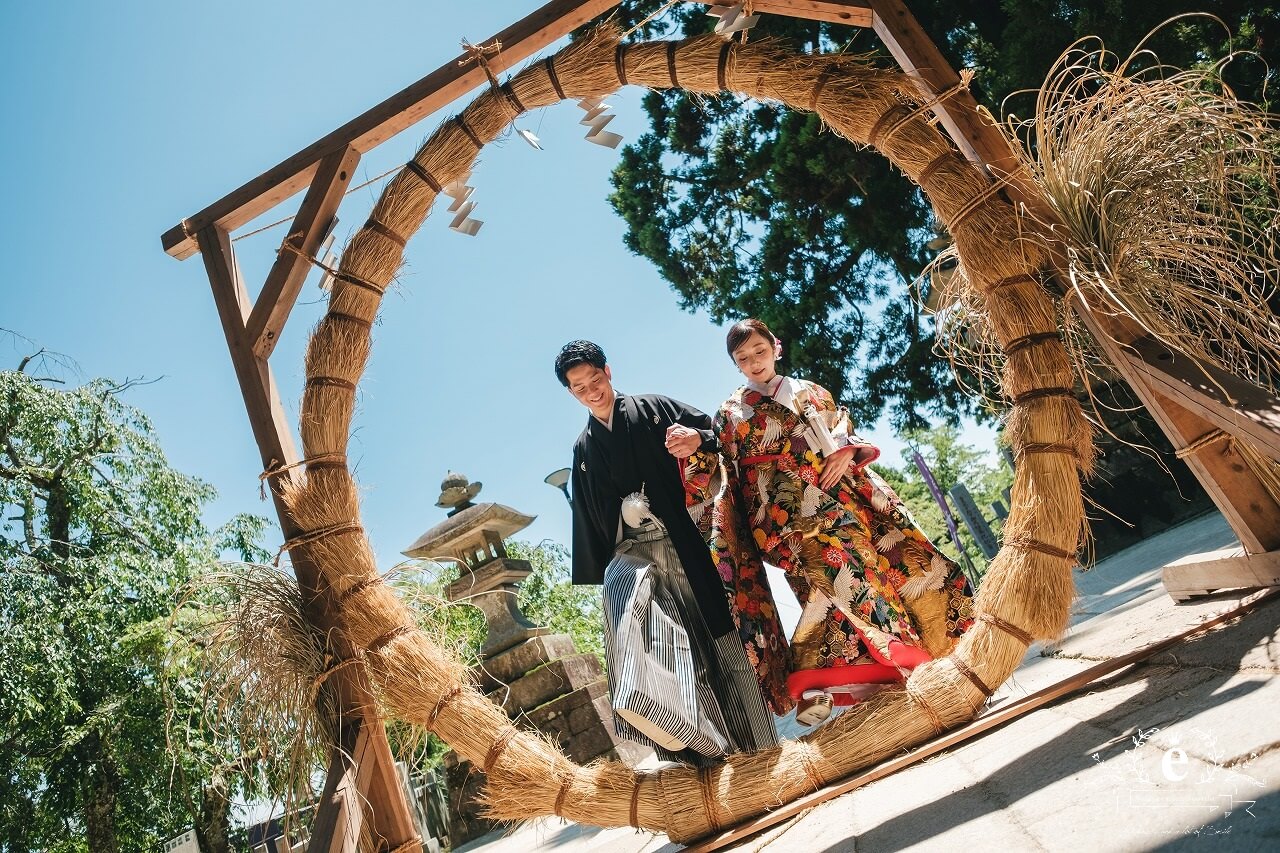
column 471, row 533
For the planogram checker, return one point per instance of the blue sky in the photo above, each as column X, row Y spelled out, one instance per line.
column 123, row 118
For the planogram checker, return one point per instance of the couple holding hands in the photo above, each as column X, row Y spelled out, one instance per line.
column 676, row 512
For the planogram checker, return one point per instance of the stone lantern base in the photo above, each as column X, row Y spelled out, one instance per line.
column 544, row 684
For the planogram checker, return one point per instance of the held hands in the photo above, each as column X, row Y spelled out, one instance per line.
column 682, row 441
column 834, row 467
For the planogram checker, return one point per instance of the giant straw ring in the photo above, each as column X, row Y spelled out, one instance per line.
column 1024, row 586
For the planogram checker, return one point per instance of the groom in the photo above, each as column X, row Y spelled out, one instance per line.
column 678, row 675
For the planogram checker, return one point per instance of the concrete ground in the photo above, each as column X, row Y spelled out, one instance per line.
column 1179, row 753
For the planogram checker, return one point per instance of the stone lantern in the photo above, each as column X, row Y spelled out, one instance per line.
column 474, row 535
column 536, row 676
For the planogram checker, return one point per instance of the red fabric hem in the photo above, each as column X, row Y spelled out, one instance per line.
column 885, row 671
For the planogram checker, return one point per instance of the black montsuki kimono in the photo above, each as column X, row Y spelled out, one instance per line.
column 679, row 678
column 609, row 464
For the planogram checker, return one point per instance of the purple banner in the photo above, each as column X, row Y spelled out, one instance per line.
column 923, row 468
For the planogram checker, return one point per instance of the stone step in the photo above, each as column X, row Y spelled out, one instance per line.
column 546, row 682
column 504, row 668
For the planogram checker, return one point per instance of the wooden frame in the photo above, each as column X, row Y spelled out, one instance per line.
column 362, row 771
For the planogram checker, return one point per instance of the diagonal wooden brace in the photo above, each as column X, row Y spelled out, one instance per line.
column 306, row 234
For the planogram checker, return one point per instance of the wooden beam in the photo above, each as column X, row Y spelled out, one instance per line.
column 257, row 384
column 339, row 818
column 1232, row 404
column 1207, row 574
column 306, row 233
column 1250, row 510
column 376, row 785
column 970, row 129
column 375, row 126
column 853, row 13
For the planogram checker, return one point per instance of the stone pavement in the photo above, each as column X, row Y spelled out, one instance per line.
column 1179, row 753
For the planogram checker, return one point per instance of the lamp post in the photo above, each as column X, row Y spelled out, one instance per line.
column 560, row 480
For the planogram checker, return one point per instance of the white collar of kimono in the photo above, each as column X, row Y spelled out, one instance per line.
column 781, row 388
column 608, row 424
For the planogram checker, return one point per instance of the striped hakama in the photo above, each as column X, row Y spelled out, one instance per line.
column 670, row 681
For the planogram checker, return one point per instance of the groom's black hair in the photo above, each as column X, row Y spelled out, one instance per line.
column 575, row 353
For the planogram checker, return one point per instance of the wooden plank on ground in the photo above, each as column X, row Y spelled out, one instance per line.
column 378, row 124
column 306, row 233
column 1209, row 574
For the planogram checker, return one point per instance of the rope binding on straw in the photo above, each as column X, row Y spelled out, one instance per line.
column 1008, row 627
column 1040, row 393
column 479, row 54
column 356, row 588
column 275, row 469
column 930, row 714
column 440, row 706
column 935, row 164
column 550, row 65
column 462, row 125
column 620, row 62
column 558, row 808
column 722, row 65
column 964, row 669
column 383, row 231
column 1028, row 544
column 1041, row 447
column 350, row 318
column 499, row 746
column 978, row 201
column 1024, row 341
column 426, row 177
column 634, row 815
column 323, row 676
column 381, row 641
column 821, row 83
column 890, row 115
column 330, row 382
column 1022, row 278
column 316, row 536
column 708, row 801
column 810, row 767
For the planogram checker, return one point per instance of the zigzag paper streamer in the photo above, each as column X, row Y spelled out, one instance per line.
column 461, row 207
column 595, row 120
column 732, row 19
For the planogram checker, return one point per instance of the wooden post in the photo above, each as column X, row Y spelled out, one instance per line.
column 371, row 775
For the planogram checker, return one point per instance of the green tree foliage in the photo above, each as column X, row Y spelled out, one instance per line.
column 750, row 209
column 549, row 598
column 951, row 462
column 99, row 534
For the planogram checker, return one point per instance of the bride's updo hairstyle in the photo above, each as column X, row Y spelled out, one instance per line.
column 744, row 329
